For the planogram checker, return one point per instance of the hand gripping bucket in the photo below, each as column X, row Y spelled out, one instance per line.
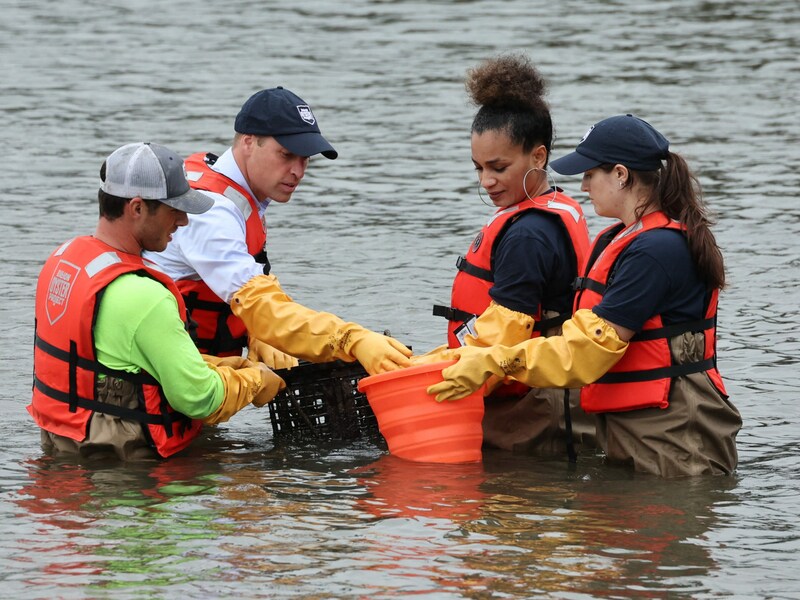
column 418, row 428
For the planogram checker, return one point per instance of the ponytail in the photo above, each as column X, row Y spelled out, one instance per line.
column 676, row 192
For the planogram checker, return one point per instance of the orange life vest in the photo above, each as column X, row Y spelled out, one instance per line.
column 218, row 331
column 65, row 366
column 470, row 292
column 643, row 376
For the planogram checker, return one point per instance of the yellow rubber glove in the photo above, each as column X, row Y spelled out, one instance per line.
column 270, row 386
column 376, row 352
column 242, row 387
column 258, row 351
column 587, row 348
column 499, row 325
column 273, row 317
column 438, row 354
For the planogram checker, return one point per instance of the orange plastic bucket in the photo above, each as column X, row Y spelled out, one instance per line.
column 418, row 428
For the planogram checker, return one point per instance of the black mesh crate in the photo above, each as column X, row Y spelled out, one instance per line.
column 322, row 401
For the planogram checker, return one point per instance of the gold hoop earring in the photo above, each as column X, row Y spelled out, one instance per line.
column 549, row 178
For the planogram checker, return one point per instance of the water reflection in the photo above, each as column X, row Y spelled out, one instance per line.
column 600, row 533
column 398, row 488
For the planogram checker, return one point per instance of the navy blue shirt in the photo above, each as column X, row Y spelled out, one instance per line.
column 654, row 275
column 534, row 264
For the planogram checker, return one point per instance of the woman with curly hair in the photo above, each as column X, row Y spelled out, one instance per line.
column 514, row 283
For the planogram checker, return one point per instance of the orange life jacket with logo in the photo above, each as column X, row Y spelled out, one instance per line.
column 643, row 376
column 470, row 292
column 65, row 367
column 215, row 329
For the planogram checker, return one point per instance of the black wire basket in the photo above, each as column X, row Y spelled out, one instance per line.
column 322, row 402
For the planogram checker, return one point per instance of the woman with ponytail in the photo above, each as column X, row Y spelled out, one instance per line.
column 642, row 340
column 514, row 282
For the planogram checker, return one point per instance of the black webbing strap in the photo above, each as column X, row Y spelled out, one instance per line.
column 76, row 362
column 470, row 269
column 556, row 321
column 224, row 341
column 584, row 283
column 669, row 331
column 660, row 373
column 91, row 404
column 452, row 314
column 262, row 259
column 192, row 301
column 72, row 361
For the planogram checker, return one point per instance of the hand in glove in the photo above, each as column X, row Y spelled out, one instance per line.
column 584, row 352
column 439, row 354
column 271, row 385
column 376, row 352
column 499, row 325
column 243, row 386
column 235, row 362
column 258, row 351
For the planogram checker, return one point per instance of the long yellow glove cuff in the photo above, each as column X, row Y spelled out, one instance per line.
column 270, row 315
column 500, row 325
column 273, row 317
column 587, row 348
column 243, row 386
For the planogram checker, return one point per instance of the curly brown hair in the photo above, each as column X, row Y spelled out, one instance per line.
column 510, row 93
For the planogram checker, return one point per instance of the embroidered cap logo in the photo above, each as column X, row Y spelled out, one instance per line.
column 306, row 114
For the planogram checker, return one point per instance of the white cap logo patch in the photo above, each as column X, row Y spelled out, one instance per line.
column 585, row 135
column 306, row 114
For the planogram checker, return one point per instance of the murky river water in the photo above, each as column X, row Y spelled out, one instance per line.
column 373, row 236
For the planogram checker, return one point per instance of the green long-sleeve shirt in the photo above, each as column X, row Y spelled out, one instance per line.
column 139, row 328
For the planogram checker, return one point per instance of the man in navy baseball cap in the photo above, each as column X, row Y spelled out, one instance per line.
column 219, row 261
column 624, row 139
column 279, row 113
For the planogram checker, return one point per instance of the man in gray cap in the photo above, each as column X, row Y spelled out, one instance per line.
column 219, row 261
column 115, row 371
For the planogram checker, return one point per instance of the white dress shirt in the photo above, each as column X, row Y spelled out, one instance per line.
column 212, row 247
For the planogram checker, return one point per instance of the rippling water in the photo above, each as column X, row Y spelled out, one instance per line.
column 373, row 236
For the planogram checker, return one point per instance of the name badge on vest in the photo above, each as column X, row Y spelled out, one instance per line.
column 467, row 328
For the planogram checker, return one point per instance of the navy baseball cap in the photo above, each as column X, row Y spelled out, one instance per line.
column 279, row 113
column 624, row 140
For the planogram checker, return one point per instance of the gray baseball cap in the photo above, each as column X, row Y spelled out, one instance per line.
column 152, row 172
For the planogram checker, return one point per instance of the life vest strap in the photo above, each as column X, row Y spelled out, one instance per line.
column 556, row 321
column 77, row 362
column 660, row 373
column 224, row 341
column 669, row 331
column 97, row 406
column 193, row 302
column 470, row 269
column 584, row 283
column 452, row 314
